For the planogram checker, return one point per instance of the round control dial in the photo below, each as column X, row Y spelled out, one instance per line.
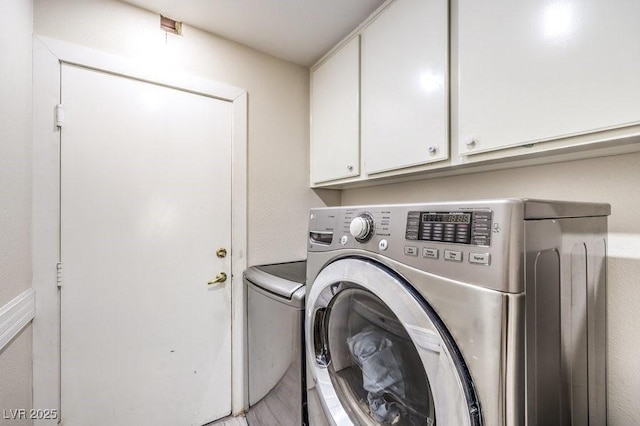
column 361, row 227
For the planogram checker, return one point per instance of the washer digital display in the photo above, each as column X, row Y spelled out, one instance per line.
column 447, row 217
column 460, row 227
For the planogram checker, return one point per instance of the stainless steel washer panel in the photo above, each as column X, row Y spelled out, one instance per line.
column 487, row 326
column 545, row 209
column 566, row 321
column 275, row 323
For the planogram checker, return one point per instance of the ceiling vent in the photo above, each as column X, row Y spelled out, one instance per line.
column 170, row 25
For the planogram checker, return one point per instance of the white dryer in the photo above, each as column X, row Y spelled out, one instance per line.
column 466, row 313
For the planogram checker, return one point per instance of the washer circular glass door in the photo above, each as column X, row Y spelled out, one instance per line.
column 380, row 355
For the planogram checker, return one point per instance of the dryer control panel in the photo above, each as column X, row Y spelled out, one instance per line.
column 459, row 227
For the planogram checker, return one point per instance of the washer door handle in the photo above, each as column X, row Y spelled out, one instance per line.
column 319, row 338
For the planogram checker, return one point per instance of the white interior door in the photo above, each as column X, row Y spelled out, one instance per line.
column 145, row 203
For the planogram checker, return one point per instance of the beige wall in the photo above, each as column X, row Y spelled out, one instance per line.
column 15, row 195
column 611, row 180
column 279, row 194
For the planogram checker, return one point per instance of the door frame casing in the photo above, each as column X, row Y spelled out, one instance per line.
column 48, row 57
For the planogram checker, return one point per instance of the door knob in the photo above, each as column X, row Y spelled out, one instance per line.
column 220, row 278
column 221, row 252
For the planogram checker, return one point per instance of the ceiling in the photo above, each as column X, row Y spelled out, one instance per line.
column 299, row 31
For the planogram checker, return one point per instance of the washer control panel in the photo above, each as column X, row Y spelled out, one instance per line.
column 458, row 227
column 476, row 242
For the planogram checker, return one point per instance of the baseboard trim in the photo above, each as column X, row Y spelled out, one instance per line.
column 15, row 315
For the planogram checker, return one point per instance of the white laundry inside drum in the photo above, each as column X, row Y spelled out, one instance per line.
column 374, row 362
column 373, row 352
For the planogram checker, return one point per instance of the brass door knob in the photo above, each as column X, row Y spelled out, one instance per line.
column 220, row 278
column 221, row 252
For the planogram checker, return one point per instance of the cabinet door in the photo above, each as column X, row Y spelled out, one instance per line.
column 532, row 70
column 335, row 116
column 405, row 86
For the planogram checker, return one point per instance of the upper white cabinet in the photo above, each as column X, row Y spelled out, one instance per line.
column 335, row 115
column 532, row 71
column 405, row 86
column 531, row 82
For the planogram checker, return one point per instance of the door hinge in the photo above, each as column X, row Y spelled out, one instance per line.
column 59, row 115
column 59, row 274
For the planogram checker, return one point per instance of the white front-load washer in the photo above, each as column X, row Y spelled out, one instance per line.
column 468, row 313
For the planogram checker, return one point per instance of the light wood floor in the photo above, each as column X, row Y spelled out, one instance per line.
column 282, row 405
column 230, row 421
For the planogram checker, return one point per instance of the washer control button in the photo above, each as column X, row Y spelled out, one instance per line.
column 383, row 244
column 430, row 253
column 453, row 255
column 411, row 251
column 480, row 258
column 344, row 240
column 361, row 227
